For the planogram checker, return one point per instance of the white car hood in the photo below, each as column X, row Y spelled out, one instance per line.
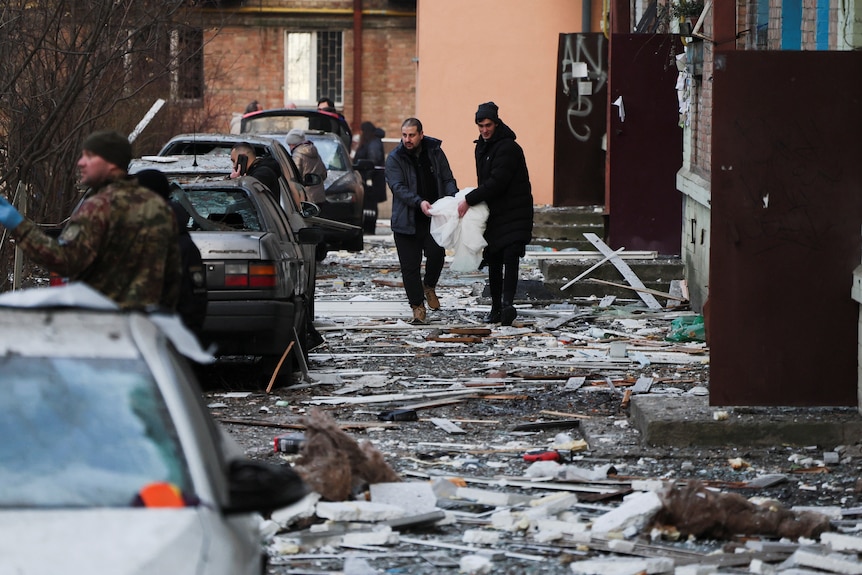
column 117, row 541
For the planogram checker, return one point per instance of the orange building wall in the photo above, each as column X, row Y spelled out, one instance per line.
column 499, row 50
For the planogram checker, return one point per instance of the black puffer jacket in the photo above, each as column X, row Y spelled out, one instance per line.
column 504, row 185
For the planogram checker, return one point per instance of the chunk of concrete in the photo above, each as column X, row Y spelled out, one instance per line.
column 694, row 569
column 636, row 511
column 365, row 511
column 377, row 535
column 302, row 509
column 475, row 565
column 623, row 566
column 842, row 542
column 832, row 562
column 414, row 497
column 480, row 537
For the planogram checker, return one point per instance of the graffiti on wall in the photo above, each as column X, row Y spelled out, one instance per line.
column 584, row 75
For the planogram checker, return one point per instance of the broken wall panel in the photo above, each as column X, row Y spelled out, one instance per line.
column 786, row 224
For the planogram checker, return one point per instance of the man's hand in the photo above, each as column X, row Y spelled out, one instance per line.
column 462, row 208
column 426, row 207
column 9, row 216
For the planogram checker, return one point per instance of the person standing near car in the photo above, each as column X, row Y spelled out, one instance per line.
column 418, row 174
column 246, row 163
column 122, row 240
column 504, row 185
column 371, row 148
column 308, row 161
column 192, row 303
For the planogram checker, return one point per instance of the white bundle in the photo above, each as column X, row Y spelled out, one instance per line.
column 464, row 236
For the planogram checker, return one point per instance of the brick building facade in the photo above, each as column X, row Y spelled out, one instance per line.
column 247, row 56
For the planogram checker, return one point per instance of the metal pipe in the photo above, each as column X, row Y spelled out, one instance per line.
column 586, row 15
column 357, row 65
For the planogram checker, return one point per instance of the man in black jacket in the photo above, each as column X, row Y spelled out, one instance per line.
column 418, row 174
column 254, row 167
column 504, row 185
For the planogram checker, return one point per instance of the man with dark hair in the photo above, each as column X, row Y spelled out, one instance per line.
column 254, row 167
column 504, row 185
column 418, row 174
column 122, row 240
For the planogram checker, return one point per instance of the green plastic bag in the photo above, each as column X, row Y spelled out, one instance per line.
column 687, row 328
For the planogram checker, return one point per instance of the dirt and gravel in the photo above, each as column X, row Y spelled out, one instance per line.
column 485, row 398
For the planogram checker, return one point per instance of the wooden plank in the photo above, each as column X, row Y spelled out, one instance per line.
column 607, row 301
column 624, row 269
column 447, row 426
column 574, row 383
column 642, row 385
column 641, row 289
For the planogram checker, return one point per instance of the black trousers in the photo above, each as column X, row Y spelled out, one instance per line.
column 411, row 248
column 503, row 274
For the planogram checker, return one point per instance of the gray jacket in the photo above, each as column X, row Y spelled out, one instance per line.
column 401, row 177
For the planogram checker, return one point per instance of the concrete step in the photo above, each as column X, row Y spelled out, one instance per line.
column 561, row 228
column 656, row 274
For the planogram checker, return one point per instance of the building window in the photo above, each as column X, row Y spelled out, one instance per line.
column 187, row 80
column 314, row 67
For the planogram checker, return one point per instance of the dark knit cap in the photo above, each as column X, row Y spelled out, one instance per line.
column 156, row 181
column 112, row 146
column 488, row 111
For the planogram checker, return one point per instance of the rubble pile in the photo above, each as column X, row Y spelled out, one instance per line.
column 461, row 447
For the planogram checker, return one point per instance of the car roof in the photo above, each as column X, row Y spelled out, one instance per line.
column 77, row 320
column 282, row 120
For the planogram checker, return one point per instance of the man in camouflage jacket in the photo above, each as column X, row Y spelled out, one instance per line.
column 122, row 240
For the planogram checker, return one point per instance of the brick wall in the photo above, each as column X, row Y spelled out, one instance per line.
column 244, row 61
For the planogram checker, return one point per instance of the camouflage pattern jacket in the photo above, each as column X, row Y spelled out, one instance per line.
column 122, row 241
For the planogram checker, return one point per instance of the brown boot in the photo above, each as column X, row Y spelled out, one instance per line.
column 418, row 314
column 431, row 298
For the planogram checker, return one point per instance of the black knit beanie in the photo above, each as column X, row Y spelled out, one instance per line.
column 488, row 111
column 112, row 146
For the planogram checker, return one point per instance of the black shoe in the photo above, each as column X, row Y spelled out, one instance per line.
column 508, row 315
column 493, row 316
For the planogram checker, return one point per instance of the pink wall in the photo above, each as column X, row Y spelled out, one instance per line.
column 501, row 50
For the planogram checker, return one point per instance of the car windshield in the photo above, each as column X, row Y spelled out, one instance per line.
column 231, row 207
column 83, row 432
column 331, row 153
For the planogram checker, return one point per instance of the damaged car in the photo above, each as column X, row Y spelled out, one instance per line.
column 110, row 461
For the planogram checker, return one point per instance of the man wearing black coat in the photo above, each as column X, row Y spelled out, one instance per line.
column 504, row 185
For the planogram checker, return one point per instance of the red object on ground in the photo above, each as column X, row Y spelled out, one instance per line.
column 542, row 455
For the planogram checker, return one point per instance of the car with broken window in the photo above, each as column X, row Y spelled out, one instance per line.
column 336, row 220
column 110, row 461
column 345, row 193
column 260, row 266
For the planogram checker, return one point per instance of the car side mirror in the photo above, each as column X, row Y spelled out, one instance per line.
column 257, row 486
column 363, row 166
column 312, row 180
column 309, row 209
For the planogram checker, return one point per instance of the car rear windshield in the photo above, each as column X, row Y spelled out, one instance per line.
column 332, row 154
column 230, row 207
column 84, row 432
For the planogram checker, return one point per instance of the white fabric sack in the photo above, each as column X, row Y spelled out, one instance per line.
column 464, row 236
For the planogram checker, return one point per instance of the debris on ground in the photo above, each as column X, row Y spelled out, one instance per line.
column 461, row 447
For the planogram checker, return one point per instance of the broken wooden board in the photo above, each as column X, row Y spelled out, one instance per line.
column 447, row 426
column 624, row 269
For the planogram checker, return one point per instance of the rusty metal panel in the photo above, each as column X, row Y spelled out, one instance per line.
column 785, row 233
column 580, row 115
column 645, row 148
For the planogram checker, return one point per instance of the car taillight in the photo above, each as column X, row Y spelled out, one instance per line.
column 255, row 275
